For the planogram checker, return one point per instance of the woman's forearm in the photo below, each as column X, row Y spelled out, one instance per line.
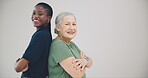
column 21, row 65
column 68, row 66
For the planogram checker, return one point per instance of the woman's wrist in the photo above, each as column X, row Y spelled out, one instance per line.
column 88, row 60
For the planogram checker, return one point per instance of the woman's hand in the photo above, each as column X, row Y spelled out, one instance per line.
column 25, row 69
column 80, row 63
column 82, row 54
column 21, row 65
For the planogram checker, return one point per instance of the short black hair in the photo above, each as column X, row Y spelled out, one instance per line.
column 46, row 6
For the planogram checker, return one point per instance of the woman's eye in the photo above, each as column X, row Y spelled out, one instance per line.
column 40, row 14
column 66, row 24
column 74, row 24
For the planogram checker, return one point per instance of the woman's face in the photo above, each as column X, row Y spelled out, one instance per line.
column 39, row 16
column 67, row 29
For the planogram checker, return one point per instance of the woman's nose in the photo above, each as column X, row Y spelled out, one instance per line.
column 71, row 27
column 36, row 15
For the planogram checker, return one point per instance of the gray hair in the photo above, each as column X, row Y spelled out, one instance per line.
column 59, row 19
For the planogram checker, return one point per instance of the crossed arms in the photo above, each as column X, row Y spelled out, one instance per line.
column 74, row 67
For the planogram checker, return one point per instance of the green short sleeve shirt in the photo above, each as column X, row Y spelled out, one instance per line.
column 59, row 51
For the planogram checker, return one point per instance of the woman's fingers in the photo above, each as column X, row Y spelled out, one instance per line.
column 79, row 66
column 76, row 60
column 79, row 63
column 82, row 54
column 83, row 67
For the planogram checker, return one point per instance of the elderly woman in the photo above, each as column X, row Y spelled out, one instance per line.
column 66, row 60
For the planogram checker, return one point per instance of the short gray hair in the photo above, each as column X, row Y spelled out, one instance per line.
column 59, row 19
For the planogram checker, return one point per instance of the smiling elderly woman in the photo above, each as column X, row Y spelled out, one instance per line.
column 66, row 60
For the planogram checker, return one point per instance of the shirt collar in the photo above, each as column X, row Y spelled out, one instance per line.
column 43, row 28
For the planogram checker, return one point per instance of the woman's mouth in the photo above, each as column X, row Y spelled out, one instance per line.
column 36, row 21
column 71, row 32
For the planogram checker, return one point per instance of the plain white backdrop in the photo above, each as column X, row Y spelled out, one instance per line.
column 113, row 32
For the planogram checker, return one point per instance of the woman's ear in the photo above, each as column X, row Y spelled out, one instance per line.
column 57, row 28
column 49, row 18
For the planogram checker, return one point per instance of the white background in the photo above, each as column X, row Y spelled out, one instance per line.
column 113, row 32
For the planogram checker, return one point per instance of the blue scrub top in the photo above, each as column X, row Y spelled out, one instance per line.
column 37, row 53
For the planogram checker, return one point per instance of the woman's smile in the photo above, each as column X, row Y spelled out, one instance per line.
column 71, row 32
column 36, row 22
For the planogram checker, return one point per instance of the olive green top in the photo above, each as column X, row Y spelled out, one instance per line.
column 59, row 51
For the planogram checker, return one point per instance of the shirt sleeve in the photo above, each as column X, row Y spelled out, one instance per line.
column 77, row 48
column 60, row 51
column 35, row 48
